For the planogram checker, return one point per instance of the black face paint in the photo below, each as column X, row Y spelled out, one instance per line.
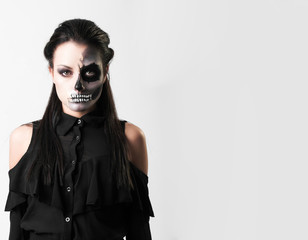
column 78, row 85
column 97, row 92
column 90, row 73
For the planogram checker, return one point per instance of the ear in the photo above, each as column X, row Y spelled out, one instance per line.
column 51, row 73
column 107, row 69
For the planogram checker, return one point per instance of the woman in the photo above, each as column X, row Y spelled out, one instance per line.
column 79, row 172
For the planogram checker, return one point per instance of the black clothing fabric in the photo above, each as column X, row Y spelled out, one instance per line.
column 85, row 204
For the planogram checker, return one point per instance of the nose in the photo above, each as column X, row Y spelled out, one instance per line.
column 79, row 86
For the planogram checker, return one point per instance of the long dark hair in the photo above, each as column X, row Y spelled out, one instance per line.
column 50, row 153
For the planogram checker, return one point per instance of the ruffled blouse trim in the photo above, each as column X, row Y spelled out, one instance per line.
column 15, row 199
column 95, row 188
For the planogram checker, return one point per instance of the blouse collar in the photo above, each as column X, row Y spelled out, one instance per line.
column 66, row 122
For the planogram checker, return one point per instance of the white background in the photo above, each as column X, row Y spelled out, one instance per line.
column 218, row 87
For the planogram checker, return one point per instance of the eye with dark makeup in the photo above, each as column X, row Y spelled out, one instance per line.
column 64, row 72
column 90, row 73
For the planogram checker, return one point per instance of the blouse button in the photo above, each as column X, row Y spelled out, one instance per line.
column 79, row 121
column 68, row 189
column 73, row 162
column 67, row 219
column 77, row 138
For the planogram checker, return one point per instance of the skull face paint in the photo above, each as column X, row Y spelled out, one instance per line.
column 89, row 73
column 78, row 76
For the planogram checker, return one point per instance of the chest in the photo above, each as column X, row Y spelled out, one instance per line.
column 83, row 144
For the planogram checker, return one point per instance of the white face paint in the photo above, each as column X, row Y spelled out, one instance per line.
column 78, row 77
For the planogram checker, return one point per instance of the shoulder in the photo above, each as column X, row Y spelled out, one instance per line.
column 20, row 139
column 133, row 132
column 137, row 143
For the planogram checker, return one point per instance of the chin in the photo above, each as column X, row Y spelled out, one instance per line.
column 80, row 107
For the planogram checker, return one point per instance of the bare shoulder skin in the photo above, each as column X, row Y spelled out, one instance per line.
column 20, row 139
column 137, row 144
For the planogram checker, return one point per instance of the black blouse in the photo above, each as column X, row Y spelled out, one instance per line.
column 85, row 204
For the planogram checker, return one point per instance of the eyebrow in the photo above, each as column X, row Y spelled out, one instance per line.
column 91, row 64
column 64, row 66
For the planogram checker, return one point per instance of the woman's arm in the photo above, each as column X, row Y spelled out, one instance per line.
column 19, row 142
column 138, row 224
column 138, row 148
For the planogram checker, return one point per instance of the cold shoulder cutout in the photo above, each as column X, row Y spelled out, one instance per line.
column 20, row 140
column 137, row 144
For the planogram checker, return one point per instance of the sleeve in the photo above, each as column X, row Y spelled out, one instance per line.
column 138, row 226
column 17, row 205
column 141, row 210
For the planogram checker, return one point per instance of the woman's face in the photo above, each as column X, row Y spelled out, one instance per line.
column 78, row 76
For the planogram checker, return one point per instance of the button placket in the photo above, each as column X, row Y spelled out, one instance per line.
column 69, row 184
